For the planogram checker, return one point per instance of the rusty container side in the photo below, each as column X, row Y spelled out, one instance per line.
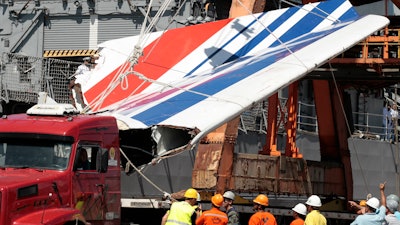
column 271, row 174
column 294, row 176
column 327, row 178
column 204, row 175
column 255, row 172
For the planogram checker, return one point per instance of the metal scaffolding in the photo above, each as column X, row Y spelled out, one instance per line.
column 23, row 77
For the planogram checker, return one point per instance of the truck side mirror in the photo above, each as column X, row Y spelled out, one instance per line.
column 102, row 160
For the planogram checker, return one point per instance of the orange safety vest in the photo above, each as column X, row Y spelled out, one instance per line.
column 262, row 218
column 213, row 216
column 297, row 221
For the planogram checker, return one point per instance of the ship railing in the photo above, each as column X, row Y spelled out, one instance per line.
column 306, row 118
column 367, row 125
column 372, row 126
column 255, row 119
column 23, row 77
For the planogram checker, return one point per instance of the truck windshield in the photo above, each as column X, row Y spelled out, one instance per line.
column 38, row 154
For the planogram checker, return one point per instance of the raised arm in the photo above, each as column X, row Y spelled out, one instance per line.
column 382, row 190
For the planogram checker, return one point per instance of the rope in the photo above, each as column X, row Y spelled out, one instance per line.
column 348, row 127
column 165, row 30
column 143, row 37
column 277, row 38
column 142, row 77
column 171, row 153
column 138, row 52
column 146, row 79
column 316, row 7
column 142, row 175
column 133, row 58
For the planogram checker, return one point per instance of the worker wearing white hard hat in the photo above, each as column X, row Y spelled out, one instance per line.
column 374, row 211
column 373, row 203
column 229, row 195
column 300, row 208
column 233, row 215
column 299, row 214
column 391, row 206
column 374, row 214
column 393, row 197
column 396, row 199
column 392, row 203
column 314, row 216
column 197, row 206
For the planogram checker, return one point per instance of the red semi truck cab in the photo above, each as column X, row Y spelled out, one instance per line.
column 42, row 179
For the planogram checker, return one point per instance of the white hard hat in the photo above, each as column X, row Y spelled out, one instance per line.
column 392, row 205
column 393, row 197
column 230, row 195
column 300, row 208
column 314, row 200
column 373, row 202
column 198, row 197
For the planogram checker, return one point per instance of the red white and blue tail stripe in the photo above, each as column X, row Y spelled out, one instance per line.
column 201, row 76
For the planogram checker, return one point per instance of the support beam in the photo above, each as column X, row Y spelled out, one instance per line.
column 333, row 135
column 270, row 147
column 291, row 123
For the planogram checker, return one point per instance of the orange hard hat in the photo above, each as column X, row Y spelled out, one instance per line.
column 363, row 203
column 217, row 200
column 261, row 199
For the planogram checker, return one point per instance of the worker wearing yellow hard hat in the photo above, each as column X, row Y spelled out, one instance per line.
column 183, row 212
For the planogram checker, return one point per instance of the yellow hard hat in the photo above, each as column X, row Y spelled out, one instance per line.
column 191, row 193
column 363, row 203
column 217, row 200
column 261, row 199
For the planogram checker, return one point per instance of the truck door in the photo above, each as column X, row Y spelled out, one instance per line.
column 88, row 185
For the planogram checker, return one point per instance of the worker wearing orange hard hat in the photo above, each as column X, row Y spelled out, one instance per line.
column 360, row 207
column 183, row 212
column 261, row 217
column 214, row 216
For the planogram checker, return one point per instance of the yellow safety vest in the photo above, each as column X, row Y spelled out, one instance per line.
column 180, row 213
